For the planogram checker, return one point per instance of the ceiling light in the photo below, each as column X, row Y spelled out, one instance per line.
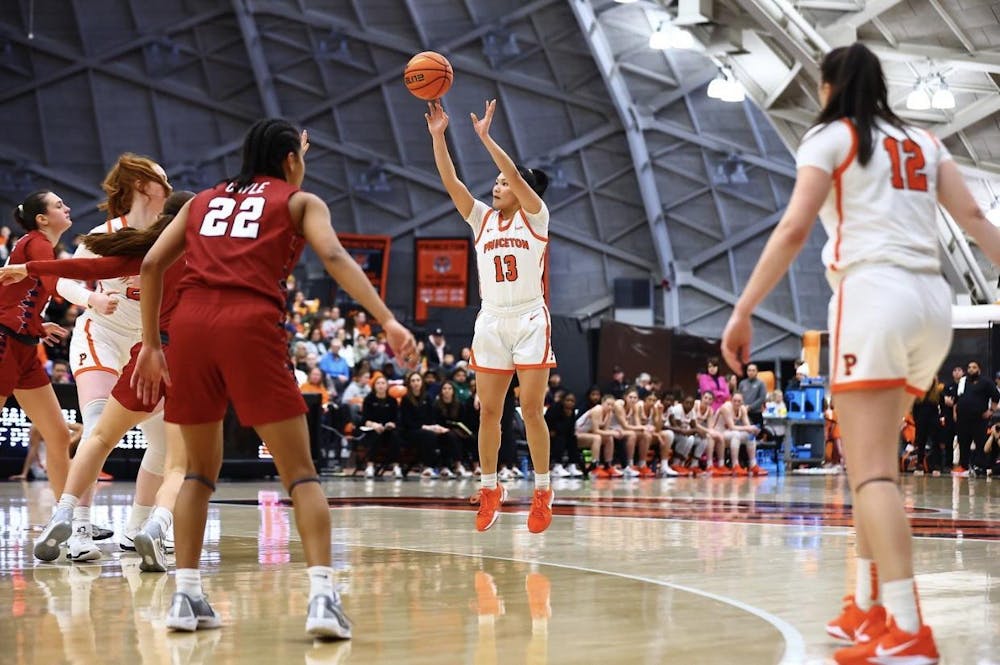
column 681, row 39
column 943, row 97
column 733, row 91
column 660, row 40
column 918, row 100
column 716, row 87
column 625, row 2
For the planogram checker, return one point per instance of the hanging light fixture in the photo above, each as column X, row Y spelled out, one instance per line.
column 660, row 39
column 918, row 99
column 943, row 97
column 726, row 88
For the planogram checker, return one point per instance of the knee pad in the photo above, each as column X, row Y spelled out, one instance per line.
column 91, row 413
column 154, row 459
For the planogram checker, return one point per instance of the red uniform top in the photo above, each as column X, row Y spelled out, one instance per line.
column 106, row 267
column 242, row 242
column 21, row 304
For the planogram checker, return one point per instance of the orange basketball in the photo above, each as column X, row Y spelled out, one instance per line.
column 428, row 75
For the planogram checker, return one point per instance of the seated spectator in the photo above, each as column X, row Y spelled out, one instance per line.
column 592, row 400
column 447, row 366
column 354, row 394
column 437, row 446
column 734, row 423
column 432, row 383
column 436, row 348
column 299, row 354
column 755, row 395
column 391, row 373
column 332, row 324
column 450, row 413
column 628, row 415
column 335, row 366
column 689, row 445
column 653, row 416
column 464, row 357
column 375, row 352
column 462, row 389
column 710, row 380
column 315, row 343
column 594, row 428
column 555, row 383
column 705, row 423
column 801, row 372
column 380, row 417
column 361, row 326
column 316, row 383
column 642, row 385
column 60, row 372
column 354, row 351
column 617, row 385
column 561, row 420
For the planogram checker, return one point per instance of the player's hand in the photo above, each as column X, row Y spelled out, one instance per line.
column 150, row 369
column 54, row 333
column 402, row 343
column 736, row 342
column 303, row 143
column 13, row 273
column 437, row 119
column 103, row 303
column 482, row 127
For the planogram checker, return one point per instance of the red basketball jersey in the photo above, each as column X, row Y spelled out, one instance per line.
column 243, row 242
column 21, row 304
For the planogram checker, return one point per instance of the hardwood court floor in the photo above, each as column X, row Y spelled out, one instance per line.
column 679, row 571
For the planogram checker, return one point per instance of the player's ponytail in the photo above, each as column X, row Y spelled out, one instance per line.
column 537, row 179
column 264, row 150
column 134, row 242
column 32, row 206
column 857, row 92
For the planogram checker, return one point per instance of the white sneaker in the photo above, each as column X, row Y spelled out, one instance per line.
column 447, row 473
column 168, row 540
column 126, row 540
column 559, row 472
column 666, row 471
column 326, row 618
column 149, row 545
column 505, row 474
column 55, row 533
column 630, row 472
column 463, row 472
column 369, row 471
column 397, row 472
column 517, row 473
column 189, row 614
column 429, row 472
column 81, row 545
column 574, row 472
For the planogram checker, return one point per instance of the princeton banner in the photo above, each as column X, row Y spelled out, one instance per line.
column 372, row 255
column 442, row 274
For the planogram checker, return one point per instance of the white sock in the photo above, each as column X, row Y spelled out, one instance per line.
column 68, row 501
column 81, row 517
column 189, row 582
column 866, row 585
column 488, row 480
column 136, row 517
column 541, row 481
column 320, row 581
column 163, row 516
column 900, row 599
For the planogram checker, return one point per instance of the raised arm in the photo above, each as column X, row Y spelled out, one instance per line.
column 437, row 123
column 104, row 267
column 956, row 198
column 531, row 202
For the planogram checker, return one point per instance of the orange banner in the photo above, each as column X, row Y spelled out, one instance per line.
column 372, row 255
column 442, row 274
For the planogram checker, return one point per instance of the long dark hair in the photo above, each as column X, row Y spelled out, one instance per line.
column 32, row 206
column 135, row 242
column 857, row 92
column 537, row 179
column 264, row 149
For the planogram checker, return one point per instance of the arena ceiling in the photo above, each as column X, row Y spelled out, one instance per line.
column 652, row 179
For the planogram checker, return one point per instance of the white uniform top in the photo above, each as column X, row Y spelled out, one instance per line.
column 677, row 411
column 127, row 319
column 510, row 255
column 883, row 212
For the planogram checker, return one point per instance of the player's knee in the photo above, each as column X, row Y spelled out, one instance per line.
column 532, row 415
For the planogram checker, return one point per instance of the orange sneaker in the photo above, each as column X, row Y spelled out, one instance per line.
column 646, row 472
column 895, row 647
column 856, row 625
column 539, row 589
column 682, row 470
column 616, row 471
column 540, row 515
column 755, row 470
column 740, row 472
column 489, row 506
column 600, row 472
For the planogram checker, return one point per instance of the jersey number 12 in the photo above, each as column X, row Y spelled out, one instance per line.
column 916, row 180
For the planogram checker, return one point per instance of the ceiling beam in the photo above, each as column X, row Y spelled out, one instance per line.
column 979, row 61
column 969, row 115
column 873, row 8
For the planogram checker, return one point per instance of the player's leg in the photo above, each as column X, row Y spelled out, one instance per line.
column 534, row 384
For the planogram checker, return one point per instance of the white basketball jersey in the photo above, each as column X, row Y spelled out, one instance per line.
column 884, row 212
column 510, row 254
column 127, row 319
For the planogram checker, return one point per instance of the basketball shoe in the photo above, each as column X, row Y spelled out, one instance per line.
column 149, row 545
column 489, row 506
column 857, row 625
column 81, row 547
column 188, row 614
column 894, row 647
column 55, row 533
column 540, row 515
column 326, row 618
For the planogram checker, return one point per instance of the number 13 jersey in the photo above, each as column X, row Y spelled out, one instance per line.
column 244, row 241
column 510, row 255
column 884, row 212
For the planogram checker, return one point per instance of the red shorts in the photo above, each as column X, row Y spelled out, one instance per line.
column 20, row 368
column 226, row 350
column 125, row 393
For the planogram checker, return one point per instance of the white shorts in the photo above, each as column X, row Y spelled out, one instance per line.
column 95, row 347
column 889, row 328
column 519, row 340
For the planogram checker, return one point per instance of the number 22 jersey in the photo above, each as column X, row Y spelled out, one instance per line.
column 884, row 212
column 244, row 241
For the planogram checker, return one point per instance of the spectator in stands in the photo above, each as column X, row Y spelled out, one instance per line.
column 331, row 325
column 418, row 426
column 555, row 383
column 315, row 343
column 355, row 350
column 460, row 378
column 465, row 357
column 361, row 325
column 380, row 417
column 335, row 366
column 991, row 449
column 299, row 353
column 595, row 429
column 656, row 386
column 801, row 372
column 316, row 383
column 977, row 399
column 432, row 383
column 4, row 243
column 927, row 418
column 734, row 423
column 376, row 355
column 617, row 386
column 447, row 366
column 711, row 381
column 450, row 414
column 354, row 394
column 689, row 445
column 561, row 421
column 60, row 372
column 391, row 372
column 642, row 385
column 776, row 411
column 436, row 348
column 754, row 394
column 593, row 399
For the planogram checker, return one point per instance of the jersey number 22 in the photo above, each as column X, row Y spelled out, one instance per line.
column 220, row 209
